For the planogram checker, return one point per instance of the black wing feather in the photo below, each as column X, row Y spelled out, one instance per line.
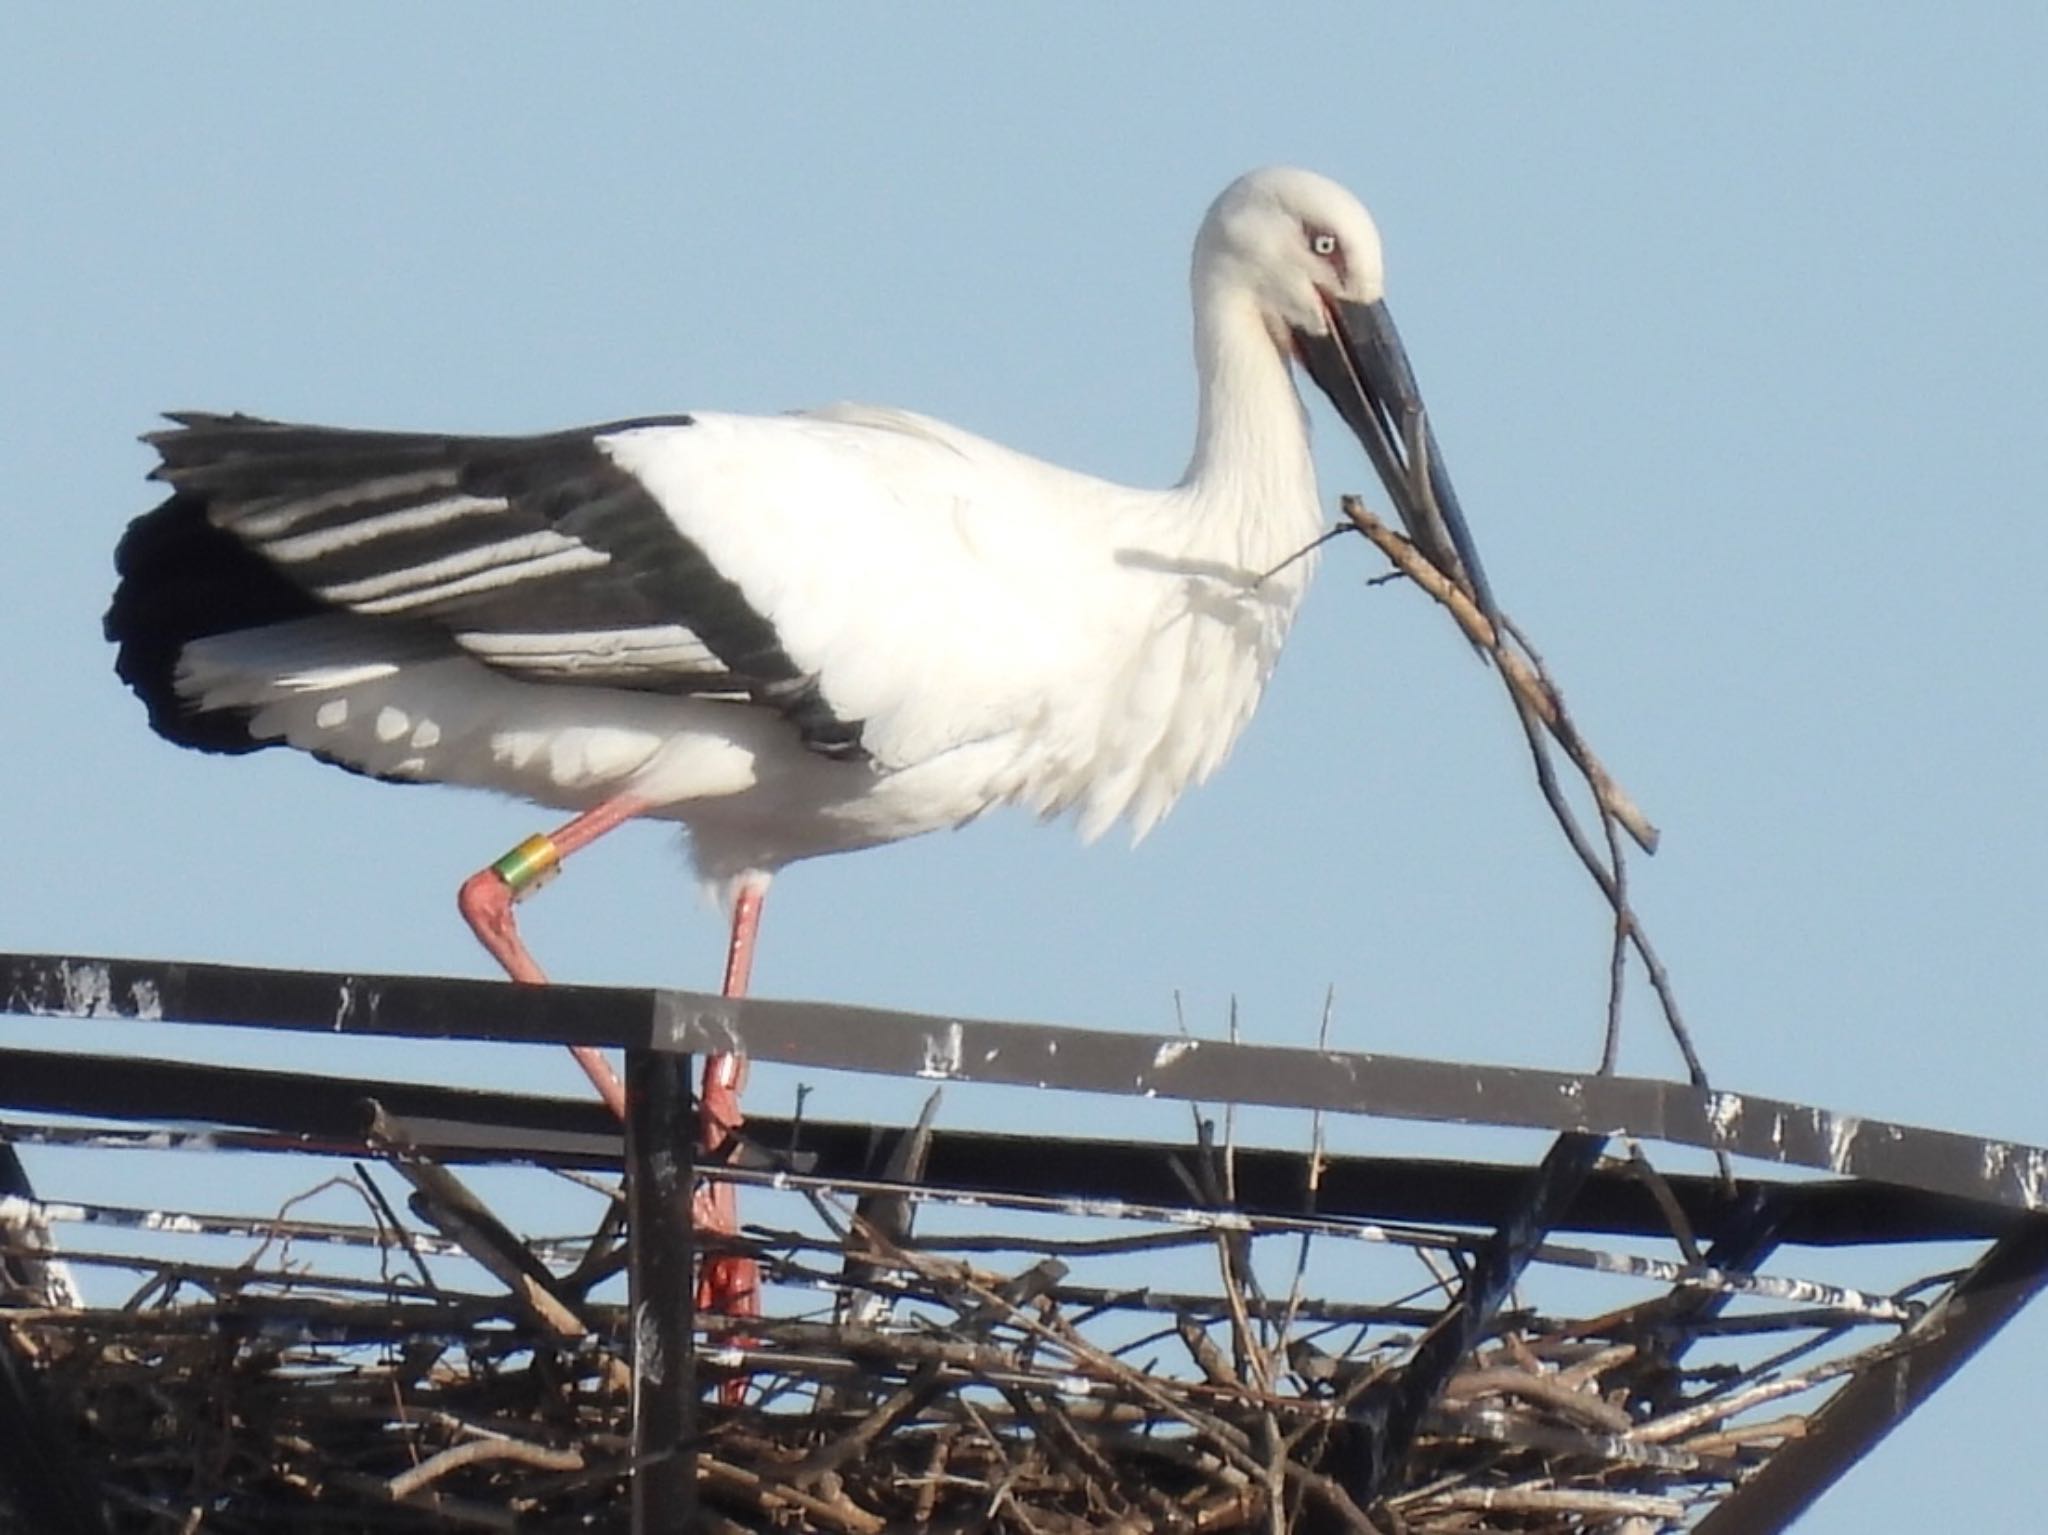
column 504, row 542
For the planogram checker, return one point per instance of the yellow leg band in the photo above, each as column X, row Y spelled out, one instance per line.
column 529, row 863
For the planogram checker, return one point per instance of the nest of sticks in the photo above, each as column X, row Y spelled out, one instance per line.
column 438, row 1373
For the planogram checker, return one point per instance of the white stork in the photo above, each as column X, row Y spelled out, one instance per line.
column 796, row 634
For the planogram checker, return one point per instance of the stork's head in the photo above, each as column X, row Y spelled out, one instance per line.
column 1294, row 241
column 1307, row 254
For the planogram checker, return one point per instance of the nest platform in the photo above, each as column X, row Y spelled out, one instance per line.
column 473, row 1310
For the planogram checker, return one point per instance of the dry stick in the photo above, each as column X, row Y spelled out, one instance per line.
column 384, row 1238
column 398, row 1226
column 1567, row 732
column 277, row 1234
column 1234, row 1254
column 1674, row 1424
column 1610, row 880
column 1278, row 1458
column 1525, row 678
column 603, row 1251
column 1545, row 1390
column 1550, row 1500
column 1645, row 1173
column 1232, row 1248
column 1055, row 1431
column 1617, row 953
column 928, row 1490
column 1613, row 884
column 464, row 1219
column 1593, row 1366
column 446, row 1202
column 1316, row 1160
column 1539, row 703
column 912, row 1396
column 771, row 1498
column 456, row 1457
column 1791, row 1426
column 1611, row 877
column 1774, row 1365
column 1229, row 1440
column 1149, row 1241
column 1207, row 1356
column 1327, row 1491
column 1229, row 1192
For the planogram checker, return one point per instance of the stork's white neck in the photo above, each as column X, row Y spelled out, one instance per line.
column 1251, row 458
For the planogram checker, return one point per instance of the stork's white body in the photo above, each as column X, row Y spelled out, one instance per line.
column 796, row 634
column 1009, row 632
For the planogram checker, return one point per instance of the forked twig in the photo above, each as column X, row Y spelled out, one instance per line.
column 1520, row 668
column 1540, row 708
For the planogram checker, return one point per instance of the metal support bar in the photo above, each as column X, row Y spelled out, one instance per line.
column 1877, row 1400
column 1385, row 1424
column 313, row 1112
column 660, row 1137
column 1753, row 1232
column 831, row 1037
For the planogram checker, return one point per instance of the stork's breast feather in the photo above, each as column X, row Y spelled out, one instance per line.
column 941, row 596
column 1078, row 643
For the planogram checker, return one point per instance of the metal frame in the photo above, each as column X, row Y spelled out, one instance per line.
column 660, row 1134
column 313, row 1112
column 1892, row 1182
column 833, row 1037
column 1384, row 1426
column 1871, row 1405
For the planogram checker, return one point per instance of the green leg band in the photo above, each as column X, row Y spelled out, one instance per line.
column 527, row 864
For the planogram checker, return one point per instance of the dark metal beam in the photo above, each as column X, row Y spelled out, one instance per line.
column 312, row 1112
column 398, row 1006
column 833, row 1037
column 1752, row 1230
column 1384, row 1424
column 1856, row 1418
column 660, row 1135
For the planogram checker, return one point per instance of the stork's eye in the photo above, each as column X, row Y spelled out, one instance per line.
column 1323, row 244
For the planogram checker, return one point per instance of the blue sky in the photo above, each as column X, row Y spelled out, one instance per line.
column 1731, row 326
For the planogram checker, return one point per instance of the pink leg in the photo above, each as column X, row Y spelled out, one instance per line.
column 487, row 898
column 728, row 1284
column 725, row 1076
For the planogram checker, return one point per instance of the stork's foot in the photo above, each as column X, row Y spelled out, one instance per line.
column 486, row 901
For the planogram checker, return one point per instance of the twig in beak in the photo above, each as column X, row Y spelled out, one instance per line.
column 1540, row 707
column 1523, row 679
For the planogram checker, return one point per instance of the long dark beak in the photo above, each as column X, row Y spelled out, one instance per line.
column 1361, row 365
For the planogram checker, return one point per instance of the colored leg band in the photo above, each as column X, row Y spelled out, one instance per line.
column 527, row 864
